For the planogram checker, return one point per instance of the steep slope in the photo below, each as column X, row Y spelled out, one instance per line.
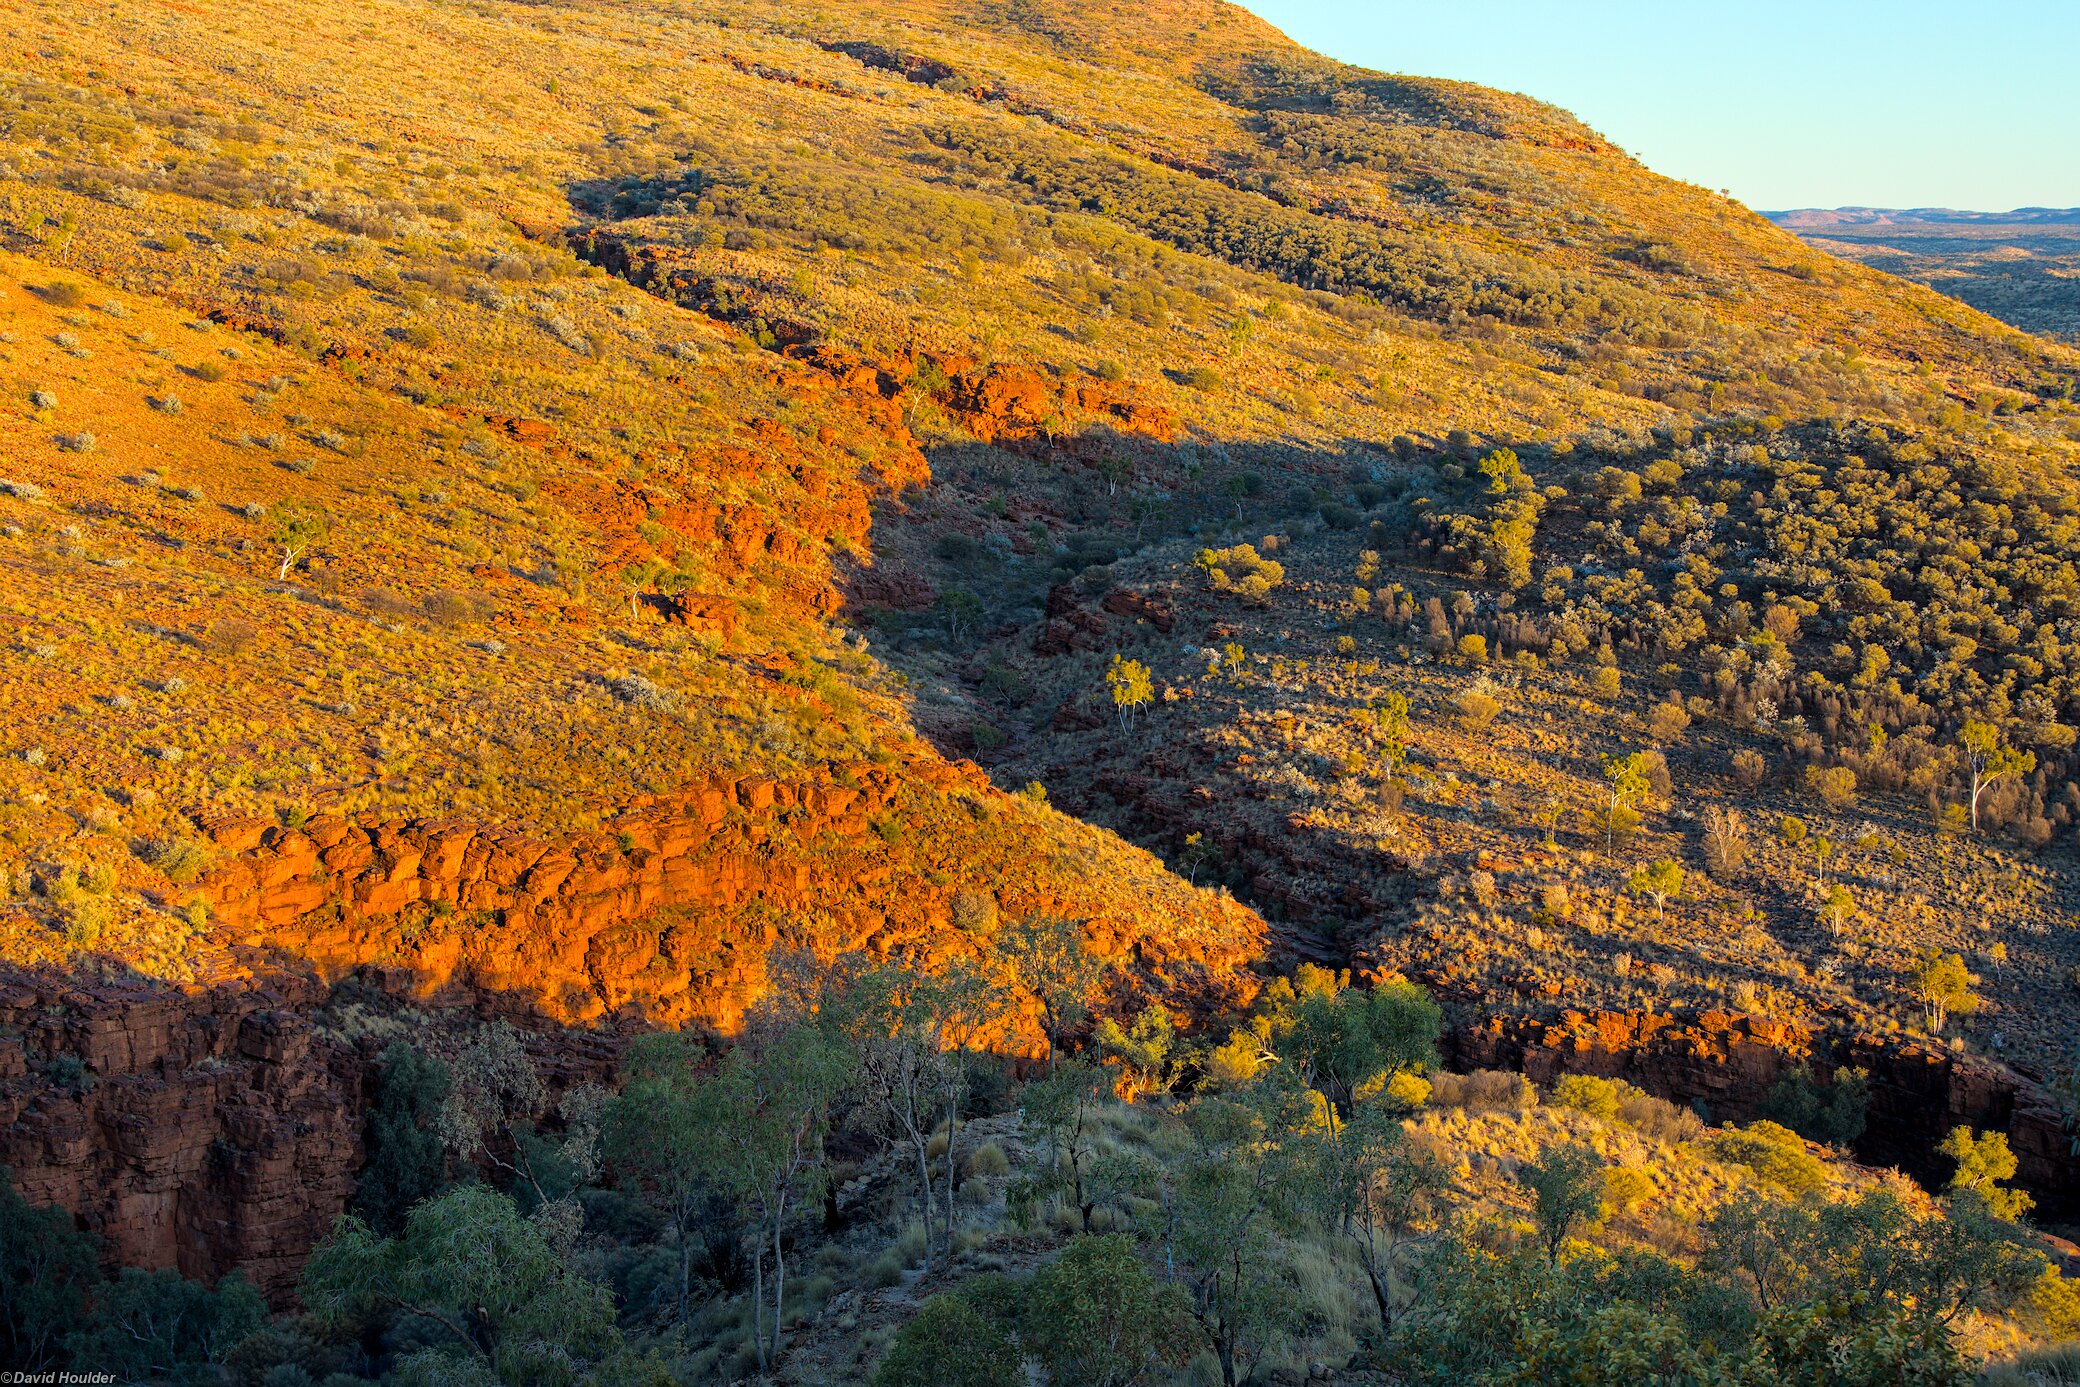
column 203, row 711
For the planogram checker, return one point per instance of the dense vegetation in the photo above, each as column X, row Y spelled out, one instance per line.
column 848, row 1185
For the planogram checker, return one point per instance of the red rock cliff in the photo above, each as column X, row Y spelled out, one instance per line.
column 198, row 1128
column 665, row 916
column 212, row 1128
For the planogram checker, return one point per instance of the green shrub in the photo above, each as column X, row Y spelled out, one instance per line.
column 152, row 1325
column 1567, row 1193
column 949, row 1343
column 1774, row 1152
column 1983, row 1162
column 1857, row 1341
column 469, row 1271
column 1241, row 570
column 1523, row 1317
column 1832, row 1113
column 407, row 1158
column 1096, row 1315
column 1588, row 1094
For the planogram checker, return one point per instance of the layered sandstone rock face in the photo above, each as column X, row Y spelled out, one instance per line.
column 200, row 1128
column 667, row 916
column 215, row 1127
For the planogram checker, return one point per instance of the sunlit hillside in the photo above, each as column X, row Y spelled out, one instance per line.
column 582, row 582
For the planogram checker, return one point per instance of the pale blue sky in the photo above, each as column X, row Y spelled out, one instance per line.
column 1787, row 103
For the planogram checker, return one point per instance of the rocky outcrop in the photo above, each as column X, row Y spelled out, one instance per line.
column 910, row 66
column 217, row 1127
column 643, row 920
column 1004, row 402
column 1920, row 1091
column 1728, row 1063
column 789, row 547
column 1155, row 608
column 699, row 610
column 665, row 917
column 996, row 402
column 200, row 1128
column 1116, row 621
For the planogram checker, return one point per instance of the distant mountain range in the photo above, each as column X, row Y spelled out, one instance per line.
column 1818, row 218
column 2022, row 266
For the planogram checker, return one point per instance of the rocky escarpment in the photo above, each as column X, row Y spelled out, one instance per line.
column 215, row 1126
column 210, row 1127
column 666, row 916
column 1728, row 1062
column 1004, row 403
column 204, row 1128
